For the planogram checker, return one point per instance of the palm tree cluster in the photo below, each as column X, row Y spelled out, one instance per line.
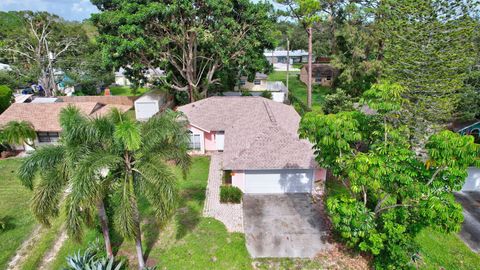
column 111, row 157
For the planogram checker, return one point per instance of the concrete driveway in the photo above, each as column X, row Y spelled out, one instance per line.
column 283, row 226
column 470, row 232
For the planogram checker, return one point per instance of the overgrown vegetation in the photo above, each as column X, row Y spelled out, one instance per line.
column 392, row 194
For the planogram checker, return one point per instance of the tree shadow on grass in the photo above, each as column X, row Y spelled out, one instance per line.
column 7, row 223
column 190, row 210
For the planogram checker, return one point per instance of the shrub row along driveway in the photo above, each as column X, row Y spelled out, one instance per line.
column 470, row 232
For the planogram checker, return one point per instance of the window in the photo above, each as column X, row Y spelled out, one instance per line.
column 257, row 82
column 47, row 136
column 194, row 141
column 329, row 78
column 242, row 82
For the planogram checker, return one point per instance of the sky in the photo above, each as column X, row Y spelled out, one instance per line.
column 72, row 10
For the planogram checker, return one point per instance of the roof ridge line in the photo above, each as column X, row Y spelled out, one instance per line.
column 270, row 113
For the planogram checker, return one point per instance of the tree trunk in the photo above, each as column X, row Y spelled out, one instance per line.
column 138, row 246
column 105, row 230
column 309, row 82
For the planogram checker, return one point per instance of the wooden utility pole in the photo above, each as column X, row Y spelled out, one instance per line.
column 309, row 81
column 288, row 63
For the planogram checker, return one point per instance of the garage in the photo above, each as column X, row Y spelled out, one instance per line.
column 278, row 181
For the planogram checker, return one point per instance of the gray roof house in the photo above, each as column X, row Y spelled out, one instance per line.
column 258, row 141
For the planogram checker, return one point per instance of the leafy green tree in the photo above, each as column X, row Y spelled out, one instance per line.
column 191, row 40
column 19, row 133
column 6, row 97
column 429, row 49
column 390, row 192
column 337, row 102
column 38, row 45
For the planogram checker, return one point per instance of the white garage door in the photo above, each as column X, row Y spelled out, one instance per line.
column 278, row 181
column 472, row 183
column 145, row 110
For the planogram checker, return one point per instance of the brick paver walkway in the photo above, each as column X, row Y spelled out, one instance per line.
column 230, row 214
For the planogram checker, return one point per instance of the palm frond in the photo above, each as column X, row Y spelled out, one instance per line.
column 43, row 158
column 47, row 195
column 158, row 184
column 73, row 222
column 126, row 215
column 128, row 133
column 18, row 132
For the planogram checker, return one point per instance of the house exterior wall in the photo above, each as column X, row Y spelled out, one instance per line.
column 320, row 174
column 122, row 80
column 210, row 144
column 250, row 86
column 304, row 78
column 195, row 130
column 238, row 179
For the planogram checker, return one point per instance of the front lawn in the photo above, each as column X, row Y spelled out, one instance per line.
column 14, row 207
column 298, row 89
column 126, row 91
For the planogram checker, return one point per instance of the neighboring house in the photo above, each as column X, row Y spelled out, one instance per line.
column 262, row 152
column 150, row 104
column 151, row 74
column 322, row 73
column 5, row 67
column 280, row 56
column 259, row 82
column 45, row 117
column 113, row 100
column 259, row 85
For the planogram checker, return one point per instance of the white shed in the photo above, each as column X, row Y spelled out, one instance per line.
column 149, row 104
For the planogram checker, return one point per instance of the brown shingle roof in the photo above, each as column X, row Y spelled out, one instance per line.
column 45, row 116
column 119, row 100
column 259, row 133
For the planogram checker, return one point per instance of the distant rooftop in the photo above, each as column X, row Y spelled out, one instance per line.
column 284, row 53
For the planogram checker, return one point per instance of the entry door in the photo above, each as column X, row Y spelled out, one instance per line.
column 219, row 140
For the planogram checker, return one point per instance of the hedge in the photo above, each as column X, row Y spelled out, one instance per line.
column 230, row 194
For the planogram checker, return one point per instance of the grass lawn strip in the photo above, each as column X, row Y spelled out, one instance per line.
column 15, row 207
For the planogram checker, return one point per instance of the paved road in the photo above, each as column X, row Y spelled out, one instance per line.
column 470, row 232
column 283, row 226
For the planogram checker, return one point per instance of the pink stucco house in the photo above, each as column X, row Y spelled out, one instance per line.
column 262, row 152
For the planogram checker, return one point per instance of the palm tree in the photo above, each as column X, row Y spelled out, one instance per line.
column 56, row 167
column 19, row 133
column 138, row 159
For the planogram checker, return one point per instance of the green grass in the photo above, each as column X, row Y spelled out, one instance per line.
column 14, row 205
column 299, row 89
column 126, row 91
column 445, row 251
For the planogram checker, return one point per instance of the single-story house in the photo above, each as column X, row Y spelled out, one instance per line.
column 45, row 117
column 151, row 74
column 280, row 56
column 323, row 73
column 151, row 103
column 259, row 82
column 262, row 152
column 472, row 183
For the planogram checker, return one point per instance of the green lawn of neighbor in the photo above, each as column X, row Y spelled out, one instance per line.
column 126, row 91
column 14, row 206
column 299, row 89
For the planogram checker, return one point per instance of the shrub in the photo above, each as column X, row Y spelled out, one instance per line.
column 6, row 97
column 246, row 93
column 267, row 94
column 230, row 194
